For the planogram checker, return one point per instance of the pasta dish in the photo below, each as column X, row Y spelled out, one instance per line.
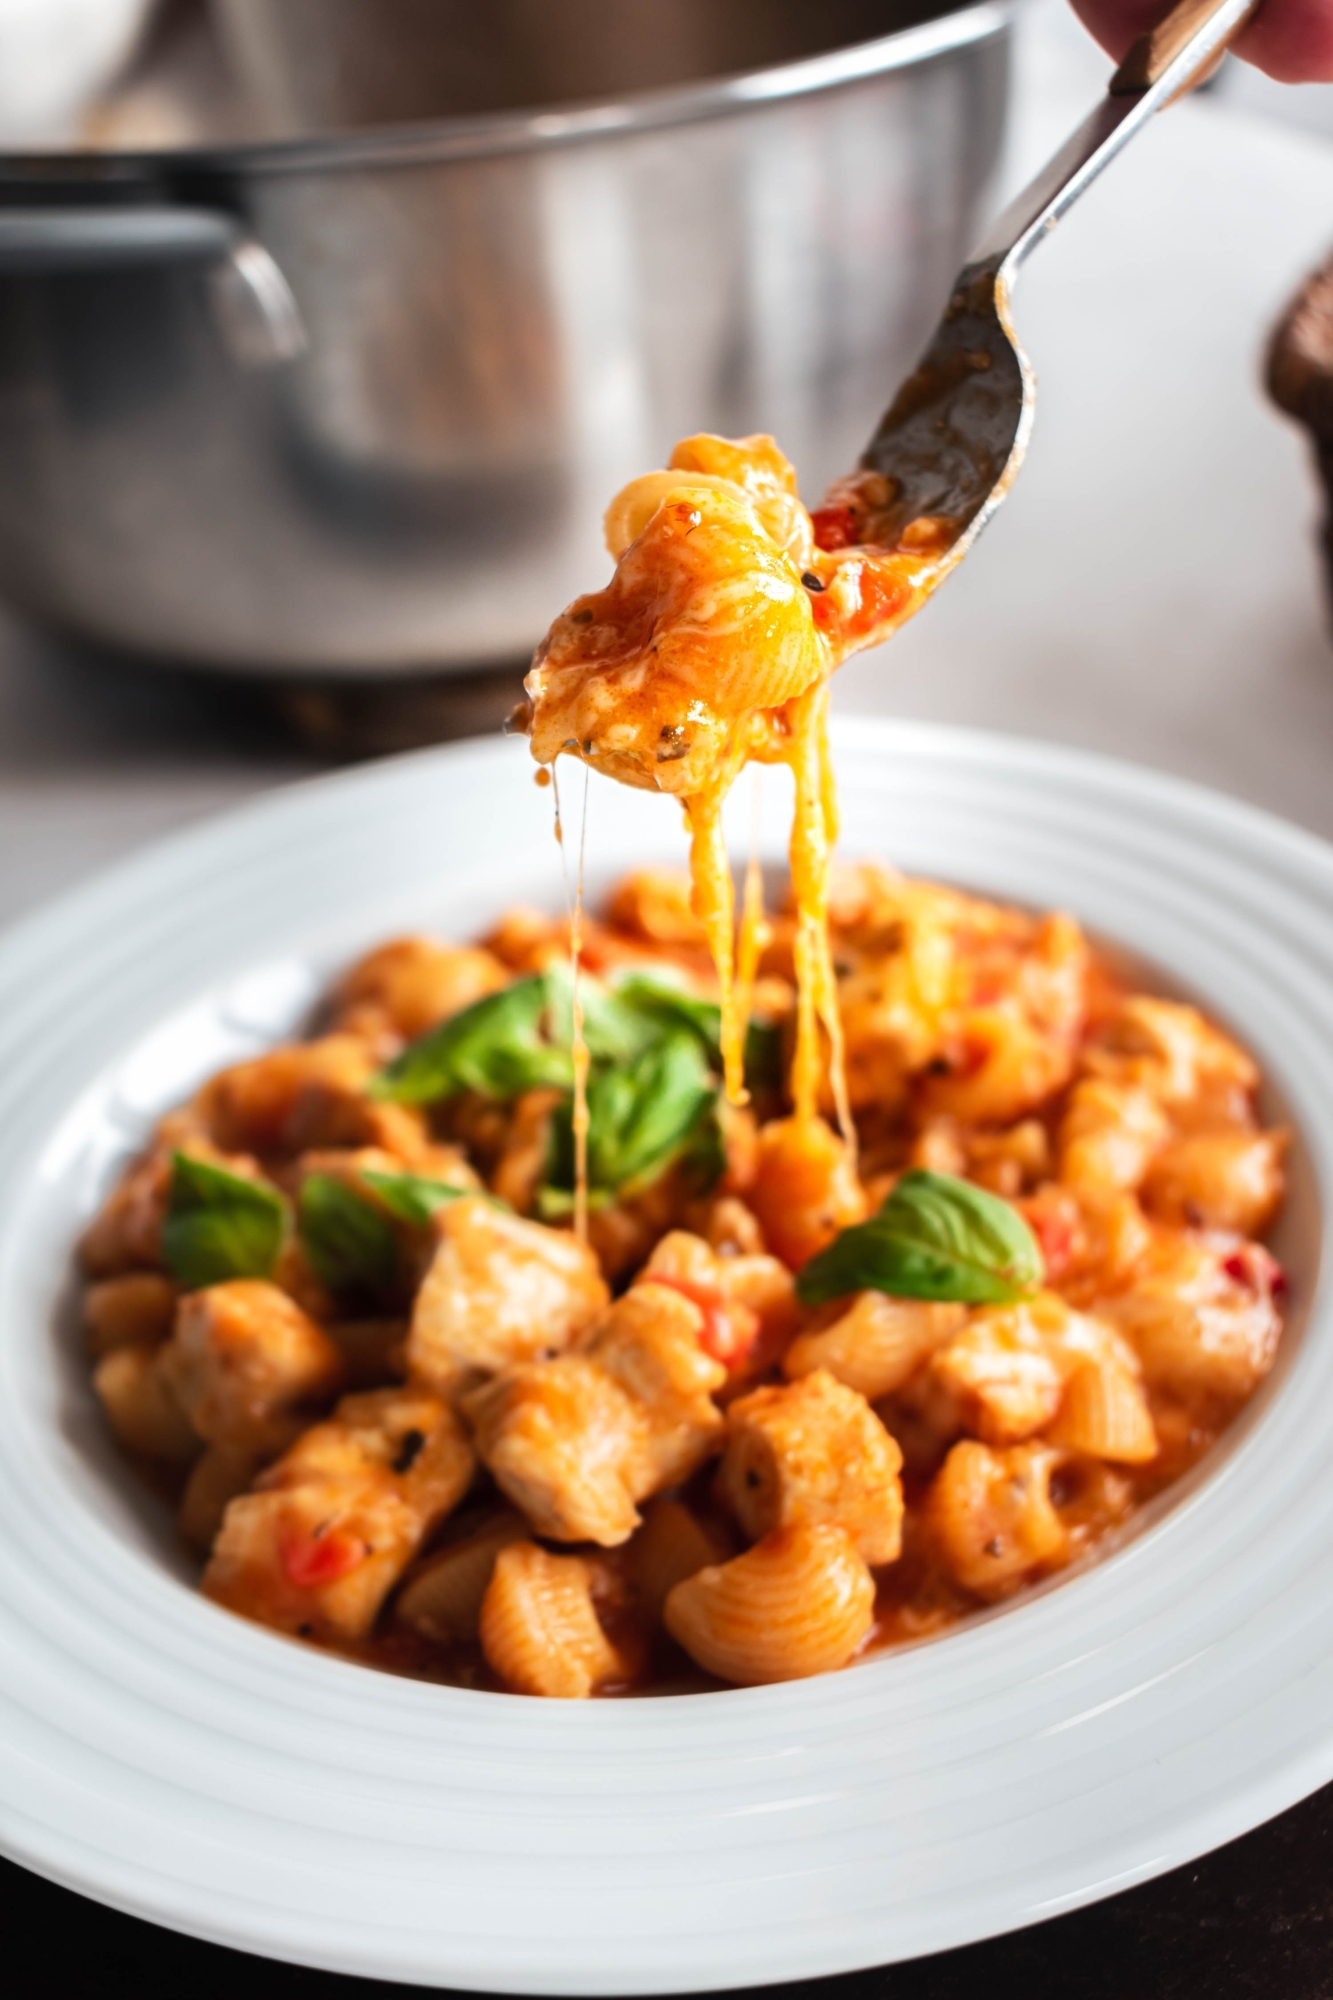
column 777, row 1406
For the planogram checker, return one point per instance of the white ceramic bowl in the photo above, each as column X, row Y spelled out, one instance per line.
column 175, row 1762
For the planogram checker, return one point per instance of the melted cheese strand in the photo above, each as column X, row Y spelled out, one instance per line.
column 755, row 929
column 579, row 1047
column 829, row 1006
column 578, row 1050
column 816, row 987
column 828, row 784
column 713, row 899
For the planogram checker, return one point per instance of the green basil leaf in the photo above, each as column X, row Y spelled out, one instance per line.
column 351, row 1247
column 763, row 1056
column 662, row 1000
column 219, row 1225
column 613, row 1029
column 500, row 1046
column 936, row 1237
column 642, row 1116
column 412, row 1198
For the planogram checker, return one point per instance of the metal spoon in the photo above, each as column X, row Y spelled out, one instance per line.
column 949, row 446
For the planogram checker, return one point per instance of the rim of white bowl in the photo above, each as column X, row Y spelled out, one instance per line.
column 186, row 1767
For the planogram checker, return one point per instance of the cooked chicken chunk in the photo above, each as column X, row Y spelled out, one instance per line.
column 331, row 1527
column 814, row 1452
column 567, row 1444
column 499, row 1290
column 651, row 1343
column 247, row 1365
column 411, row 984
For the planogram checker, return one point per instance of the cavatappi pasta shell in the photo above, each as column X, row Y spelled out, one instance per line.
column 215, row 1480
column 133, row 1310
column 1220, row 1180
column 799, row 1602
column 442, row 1599
column 991, row 1515
column 142, row 1408
column 539, row 1630
column 876, row 1344
column 1104, row 1413
column 671, row 1545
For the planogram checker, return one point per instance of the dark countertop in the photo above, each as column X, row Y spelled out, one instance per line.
column 1249, row 1922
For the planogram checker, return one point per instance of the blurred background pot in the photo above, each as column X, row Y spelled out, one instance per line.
column 343, row 390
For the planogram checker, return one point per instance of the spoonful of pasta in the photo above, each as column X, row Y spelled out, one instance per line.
column 730, row 605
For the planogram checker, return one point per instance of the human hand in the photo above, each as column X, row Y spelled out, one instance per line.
column 1291, row 40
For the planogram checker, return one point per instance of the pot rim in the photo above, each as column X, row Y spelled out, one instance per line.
column 497, row 133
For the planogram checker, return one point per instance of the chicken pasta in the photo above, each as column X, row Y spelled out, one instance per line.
column 792, row 1396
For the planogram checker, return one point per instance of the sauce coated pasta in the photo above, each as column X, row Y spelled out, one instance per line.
column 787, row 1401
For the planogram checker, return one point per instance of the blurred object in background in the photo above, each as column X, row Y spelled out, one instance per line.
column 1241, row 87
column 314, row 66
column 55, row 56
column 1300, row 381
column 352, row 405
column 180, row 92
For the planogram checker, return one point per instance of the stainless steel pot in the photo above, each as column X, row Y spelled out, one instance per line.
column 352, row 404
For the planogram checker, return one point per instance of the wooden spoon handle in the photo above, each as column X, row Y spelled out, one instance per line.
column 1155, row 50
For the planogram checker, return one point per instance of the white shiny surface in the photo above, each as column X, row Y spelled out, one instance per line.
column 172, row 1760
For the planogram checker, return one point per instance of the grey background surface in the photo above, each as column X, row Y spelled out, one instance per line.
column 1151, row 588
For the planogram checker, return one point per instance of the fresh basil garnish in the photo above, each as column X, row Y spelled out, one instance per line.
column 219, row 1225
column 412, row 1198
column 653, row 1048
column 350, row 1246
column 672, row 1005
column 642, row 1116
column 501, row 1046
column 614, row 1029
column 936, row 1237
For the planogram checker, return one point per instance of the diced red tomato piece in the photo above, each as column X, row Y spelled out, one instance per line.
column 313, row 1560
column 730, row 1329
column 1056, row 1231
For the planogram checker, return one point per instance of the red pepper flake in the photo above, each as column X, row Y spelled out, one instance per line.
column 835, row 527
column 322, row 1557
column 1253, row 1267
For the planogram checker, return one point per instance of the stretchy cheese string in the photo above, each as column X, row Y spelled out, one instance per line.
column 755, row 930
column 578, row 1046
column 713, row 900
column 816, row 986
